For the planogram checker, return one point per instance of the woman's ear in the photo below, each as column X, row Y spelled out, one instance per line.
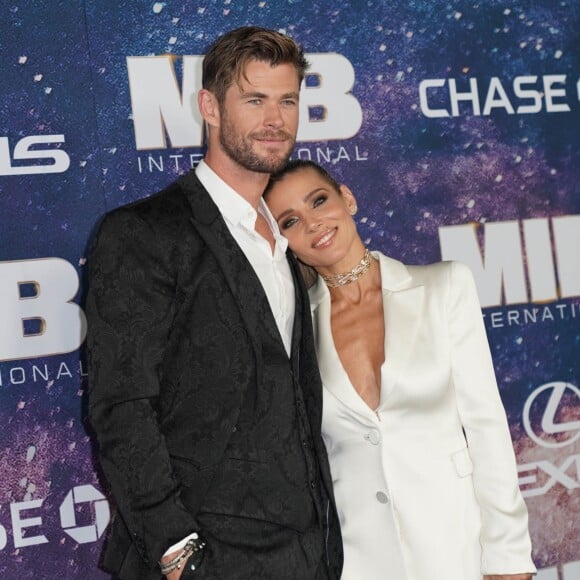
column 208, row 107
column 349, row 199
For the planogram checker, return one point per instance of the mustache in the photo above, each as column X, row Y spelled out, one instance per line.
column 273, row 135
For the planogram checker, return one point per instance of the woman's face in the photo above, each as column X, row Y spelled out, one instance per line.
column 316, row 219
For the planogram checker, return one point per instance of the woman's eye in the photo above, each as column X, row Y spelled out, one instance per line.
column 319, row 201
column 288, row 223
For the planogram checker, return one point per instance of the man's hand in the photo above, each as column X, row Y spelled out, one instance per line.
column 175, row 574
column 507, row 577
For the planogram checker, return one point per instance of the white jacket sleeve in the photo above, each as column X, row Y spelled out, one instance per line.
column 505, row 541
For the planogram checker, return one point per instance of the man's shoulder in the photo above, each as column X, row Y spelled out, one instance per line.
column 162, row 218
column 169, row 208
column 169, row 201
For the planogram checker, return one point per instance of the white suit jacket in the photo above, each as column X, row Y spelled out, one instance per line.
column 426, row 485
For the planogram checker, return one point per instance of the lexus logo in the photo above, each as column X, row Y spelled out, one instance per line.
column 545, row 414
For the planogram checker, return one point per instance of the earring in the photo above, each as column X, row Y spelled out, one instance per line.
column 353, row 209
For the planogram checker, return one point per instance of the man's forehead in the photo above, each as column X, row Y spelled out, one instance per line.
column 256, row 74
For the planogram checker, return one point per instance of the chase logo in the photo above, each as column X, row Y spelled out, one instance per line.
column 84, row 494
column 551, row 414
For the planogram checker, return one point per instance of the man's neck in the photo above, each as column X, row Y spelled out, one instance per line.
column 249, row 184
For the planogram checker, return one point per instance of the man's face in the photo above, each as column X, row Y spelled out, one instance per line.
column 259, row 117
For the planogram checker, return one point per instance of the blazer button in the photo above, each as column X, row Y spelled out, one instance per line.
column 373, row 437
column 382, row 497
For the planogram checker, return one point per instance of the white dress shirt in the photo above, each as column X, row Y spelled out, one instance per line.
column 272, row 269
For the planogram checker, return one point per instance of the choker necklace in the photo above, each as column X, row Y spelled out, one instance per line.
column 357, row 272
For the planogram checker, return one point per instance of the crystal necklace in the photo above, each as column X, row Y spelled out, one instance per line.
column 358, row 271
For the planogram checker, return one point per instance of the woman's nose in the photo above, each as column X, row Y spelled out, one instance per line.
column 313, row 224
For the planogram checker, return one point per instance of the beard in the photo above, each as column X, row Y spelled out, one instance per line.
column 239, row 148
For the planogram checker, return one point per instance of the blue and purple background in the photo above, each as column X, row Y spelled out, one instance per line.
column 63, row 66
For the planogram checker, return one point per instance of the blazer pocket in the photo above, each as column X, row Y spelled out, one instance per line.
column 462, row 462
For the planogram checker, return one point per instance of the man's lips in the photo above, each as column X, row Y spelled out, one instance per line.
column 324, row 239
column 272, row 137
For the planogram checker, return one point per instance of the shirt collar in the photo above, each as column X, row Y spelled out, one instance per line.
column 233, row 207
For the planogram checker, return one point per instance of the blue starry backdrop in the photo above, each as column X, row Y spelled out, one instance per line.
column 449, row 119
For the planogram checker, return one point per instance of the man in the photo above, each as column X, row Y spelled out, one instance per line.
column 205, row 393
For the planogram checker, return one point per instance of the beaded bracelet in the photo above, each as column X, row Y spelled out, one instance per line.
column 190, row 548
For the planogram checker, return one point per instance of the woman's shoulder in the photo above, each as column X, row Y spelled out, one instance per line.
column 397, row 273
column 445, row 270
column 442, row 274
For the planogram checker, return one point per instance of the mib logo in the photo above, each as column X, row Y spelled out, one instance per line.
column 163, row 112
column 500, row 270
column 30, row 156
column 37, row 311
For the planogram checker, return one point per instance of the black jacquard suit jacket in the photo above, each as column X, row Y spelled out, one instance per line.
column 173, row 308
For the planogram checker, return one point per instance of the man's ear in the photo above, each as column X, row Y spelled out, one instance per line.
column 208, row 107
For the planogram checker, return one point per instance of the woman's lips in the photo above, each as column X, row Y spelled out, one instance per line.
column 324, row 239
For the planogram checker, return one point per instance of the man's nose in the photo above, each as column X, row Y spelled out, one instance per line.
column 273, row 116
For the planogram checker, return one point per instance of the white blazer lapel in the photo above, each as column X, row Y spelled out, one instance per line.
column 402, row 310
column 333, row 375
column 402, row 307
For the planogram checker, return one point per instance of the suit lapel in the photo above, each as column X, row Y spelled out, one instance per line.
column 402, row 305
column 334, row 376
column 240, row 277
column 402, row 318
column 301, row 302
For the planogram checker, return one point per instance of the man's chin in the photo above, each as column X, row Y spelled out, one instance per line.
column 280, row 152
column 269, row 164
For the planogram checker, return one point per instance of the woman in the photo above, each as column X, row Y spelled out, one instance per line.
column 420, row 452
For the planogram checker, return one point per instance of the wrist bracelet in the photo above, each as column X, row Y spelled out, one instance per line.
column 193, row 545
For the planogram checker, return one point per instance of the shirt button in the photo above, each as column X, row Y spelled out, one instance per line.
column 373, row 437
column 382, row 497
column 312, row 484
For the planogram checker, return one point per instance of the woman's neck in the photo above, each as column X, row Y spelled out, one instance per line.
column 355, row 290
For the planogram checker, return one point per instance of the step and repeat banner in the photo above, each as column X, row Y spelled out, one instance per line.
column 455, row 122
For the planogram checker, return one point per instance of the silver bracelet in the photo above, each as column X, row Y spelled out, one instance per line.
column 192, row 546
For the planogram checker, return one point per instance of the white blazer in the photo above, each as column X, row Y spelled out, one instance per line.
column 426, row 485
